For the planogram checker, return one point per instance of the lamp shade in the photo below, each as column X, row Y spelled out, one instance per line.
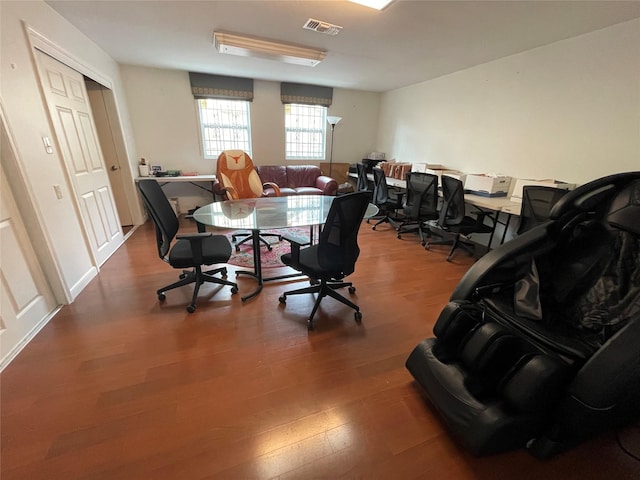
column 333, row 120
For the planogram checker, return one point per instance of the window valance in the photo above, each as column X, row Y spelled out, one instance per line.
column 306, row 94
column 204, row 85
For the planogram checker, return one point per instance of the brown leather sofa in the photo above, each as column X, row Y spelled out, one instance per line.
column 297, row 180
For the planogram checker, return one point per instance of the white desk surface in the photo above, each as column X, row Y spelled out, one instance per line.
column 182, row 178
column 497, row 204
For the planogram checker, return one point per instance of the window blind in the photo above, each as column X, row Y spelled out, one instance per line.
column 204, row 85
column 306, row 94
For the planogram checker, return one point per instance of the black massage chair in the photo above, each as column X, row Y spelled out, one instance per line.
column 539, row 346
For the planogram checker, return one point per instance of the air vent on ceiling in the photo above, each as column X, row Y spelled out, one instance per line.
column 322, row 27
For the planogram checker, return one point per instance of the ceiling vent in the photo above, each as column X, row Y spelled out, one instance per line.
column 322, row 27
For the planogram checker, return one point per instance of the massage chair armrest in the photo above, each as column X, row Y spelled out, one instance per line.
column 595, row 386
column 510, row 257
column 230, row 192
column 274, row 186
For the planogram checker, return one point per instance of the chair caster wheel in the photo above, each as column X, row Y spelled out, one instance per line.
column 358, row 316
column 162, row 297
column 310, row 325
column 352, row 290
column 269, row 247
column 191, row 308
column 399, row 236
column 280, row 238
column 282, row 299
column 424, row 244
column 234, row 290
column 373, row 228
column 237, row 248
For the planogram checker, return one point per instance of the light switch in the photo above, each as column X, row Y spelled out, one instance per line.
column 58, row 191
column 48, row 147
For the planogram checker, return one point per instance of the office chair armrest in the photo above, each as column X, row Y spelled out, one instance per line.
column 296, row 242
column 195, row 240
column 274, row 186
column 230, row 192
column 398, row 198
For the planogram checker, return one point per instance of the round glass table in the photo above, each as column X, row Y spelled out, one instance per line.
column 264, row 213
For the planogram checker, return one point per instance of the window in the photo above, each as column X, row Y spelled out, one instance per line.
column 225, row 125
column 305, row 128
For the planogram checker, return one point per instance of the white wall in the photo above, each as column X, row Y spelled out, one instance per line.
column 165, row 124
column 569, row 110
column 64, row 253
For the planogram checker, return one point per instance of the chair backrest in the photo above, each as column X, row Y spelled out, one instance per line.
column 421, row 200
column 362, row 184
column 537, row 202
column 339, row 236
column 235, row 169
column 453, row 207
column 380, row 188
column 161, row 213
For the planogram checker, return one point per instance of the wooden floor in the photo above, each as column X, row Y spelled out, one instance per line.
column 118, row 386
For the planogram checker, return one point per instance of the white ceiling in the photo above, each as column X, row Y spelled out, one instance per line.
column 408, row 42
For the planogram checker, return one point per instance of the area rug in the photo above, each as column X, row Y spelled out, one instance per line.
column 269, row 258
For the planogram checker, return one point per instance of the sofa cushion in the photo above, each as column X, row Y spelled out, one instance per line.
column 302, row 175
column 308, row 191
column 273, row 173
column 284, row 192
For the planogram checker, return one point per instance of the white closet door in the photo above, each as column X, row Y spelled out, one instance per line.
column 26, row 301
column 75, row 129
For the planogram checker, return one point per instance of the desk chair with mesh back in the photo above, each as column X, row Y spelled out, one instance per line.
column 420, row 204
column 362, row 184
column 239, row 179
column 537, row 202
column 387, row 200
column 334, row 256
column 190, row 251
column 452, row 220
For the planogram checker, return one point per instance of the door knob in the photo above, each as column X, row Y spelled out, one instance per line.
column 113, row 168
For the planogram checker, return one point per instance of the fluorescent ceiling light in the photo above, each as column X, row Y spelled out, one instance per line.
column 377, row 4
column 246, row 46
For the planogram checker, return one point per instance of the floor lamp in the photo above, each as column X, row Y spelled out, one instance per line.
column 333, row 121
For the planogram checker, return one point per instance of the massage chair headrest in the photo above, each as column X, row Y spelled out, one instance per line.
column 624, row 212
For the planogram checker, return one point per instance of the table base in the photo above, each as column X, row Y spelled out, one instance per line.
column 257, row 268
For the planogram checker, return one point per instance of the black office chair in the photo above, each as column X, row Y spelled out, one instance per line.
column 420, row 204
column 363, row 183
column 537, row 202
column 334, row 256
column 453, row 222
column 538, row 347
column 387, row 200
column 191, row 250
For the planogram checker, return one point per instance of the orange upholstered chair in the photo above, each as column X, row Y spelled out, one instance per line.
column 238, row 177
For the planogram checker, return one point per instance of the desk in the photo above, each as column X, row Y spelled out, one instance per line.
column 195, row 180
column 267, row 213
column 495, row 204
